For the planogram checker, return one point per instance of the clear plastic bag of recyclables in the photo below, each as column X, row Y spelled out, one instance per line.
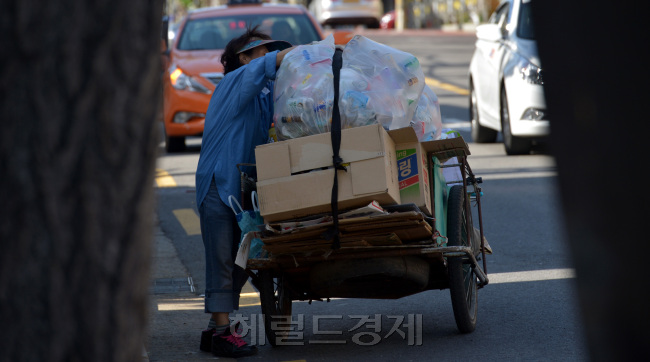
column 304, row 91
column 379, row 85
column 426, row 121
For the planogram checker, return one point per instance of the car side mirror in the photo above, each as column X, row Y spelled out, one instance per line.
column 489, row 32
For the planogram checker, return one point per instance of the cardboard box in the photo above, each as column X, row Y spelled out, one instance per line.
column 412, row 165
column 412, row 169
column 295, row 177
column 447, row 148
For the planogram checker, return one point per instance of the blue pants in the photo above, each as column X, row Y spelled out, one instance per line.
column 221, row 235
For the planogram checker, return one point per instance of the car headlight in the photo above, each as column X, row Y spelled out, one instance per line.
column 182, row 81
column 533, row 114
column 529, row 72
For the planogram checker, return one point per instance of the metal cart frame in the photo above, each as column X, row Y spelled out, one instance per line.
column 454, row 265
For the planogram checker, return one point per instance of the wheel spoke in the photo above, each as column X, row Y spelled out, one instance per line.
column 462, row 281
column 276, row 306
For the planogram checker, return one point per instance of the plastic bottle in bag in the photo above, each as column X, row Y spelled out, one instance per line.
column 426, row 120
column 273, row 137
column 307, row 70
column 396, row 80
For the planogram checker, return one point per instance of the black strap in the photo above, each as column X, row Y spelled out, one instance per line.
column 333, row 233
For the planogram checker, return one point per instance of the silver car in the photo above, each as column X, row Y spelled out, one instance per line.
column 347, row 12
column 505, row 80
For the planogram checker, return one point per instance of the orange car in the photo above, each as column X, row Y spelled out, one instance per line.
column 194, row 57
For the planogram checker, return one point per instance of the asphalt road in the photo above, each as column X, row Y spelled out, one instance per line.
column 527, row 312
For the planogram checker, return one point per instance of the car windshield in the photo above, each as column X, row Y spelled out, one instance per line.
column 215, row 33
column 525, row 29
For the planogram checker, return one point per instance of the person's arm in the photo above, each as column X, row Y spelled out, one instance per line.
column 251, row 78
column 280, row 56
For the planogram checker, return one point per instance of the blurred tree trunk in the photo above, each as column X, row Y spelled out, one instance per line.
column 596, row 89
column 79, row 91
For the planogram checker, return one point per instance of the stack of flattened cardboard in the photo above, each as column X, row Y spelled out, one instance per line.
column 393, row 229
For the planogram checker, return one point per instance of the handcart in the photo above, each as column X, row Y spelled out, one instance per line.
column 386, row 256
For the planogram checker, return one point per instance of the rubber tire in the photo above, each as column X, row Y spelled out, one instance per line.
column 275, row 300
column 480, row 134
column 513, row 145
column 174, row 144
column 374, row 24
column 462, row 281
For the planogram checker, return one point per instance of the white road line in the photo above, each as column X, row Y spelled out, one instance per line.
column 495, row 278
column 531, row 276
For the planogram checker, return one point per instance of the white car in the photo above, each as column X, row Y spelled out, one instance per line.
column 505, row 80
column 347, row 12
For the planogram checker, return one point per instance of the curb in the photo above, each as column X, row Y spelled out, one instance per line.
column 170, row 280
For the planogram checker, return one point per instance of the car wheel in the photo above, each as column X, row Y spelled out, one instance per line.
column 480, row 134
column 174, row 144
column 513, row 145
column 374, row 24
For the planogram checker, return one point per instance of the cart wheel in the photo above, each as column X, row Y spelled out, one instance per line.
column 276, row 305
column 462, row 281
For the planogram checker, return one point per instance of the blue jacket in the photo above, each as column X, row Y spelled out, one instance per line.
column 238, row 119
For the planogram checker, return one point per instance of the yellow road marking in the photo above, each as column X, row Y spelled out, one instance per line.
column 446, row 86
column 181, row 304
column 194, row 305
column 164, row 179
column 249, row 299
column 189, row 220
